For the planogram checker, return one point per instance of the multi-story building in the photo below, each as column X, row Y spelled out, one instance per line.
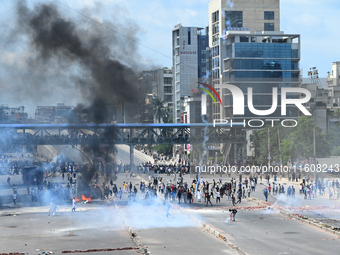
column 152, row 84
column 334, row 76
column 162, row 87
column 248, row 50
column 144, row 90
column 243, row 21
column 260, row 61
column 59, row 113
column 189, row 64
column 324, row 104
column 8, row 114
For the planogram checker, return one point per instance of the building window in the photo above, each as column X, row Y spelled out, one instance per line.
column 177, row 77
column 233, row 19
column 295, row 53
column 178, row 86
column 269, row 15
column 189, row 35
column 216, row 28
column 203, row 52
column 215, row 17
column 167, row 80
column 168, row 98
column 203, row 60
column 216, row 62
column 177, row 59
column 268, row 26
column 178, row 96
column 244, row 39
column 167, row 89
column 215, row 51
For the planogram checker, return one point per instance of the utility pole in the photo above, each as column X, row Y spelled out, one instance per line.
column 315, row 165
column 269, row 151
column 278, row 134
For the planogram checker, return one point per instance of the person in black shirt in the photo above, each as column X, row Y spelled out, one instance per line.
column 208, row 199
column 233, row 213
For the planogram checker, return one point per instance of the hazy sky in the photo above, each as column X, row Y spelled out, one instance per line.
column 317, row 22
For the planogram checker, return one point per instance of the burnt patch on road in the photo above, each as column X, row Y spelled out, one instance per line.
column 10, row 226
column 8, row 214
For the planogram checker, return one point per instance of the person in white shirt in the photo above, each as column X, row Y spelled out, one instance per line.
column 198, row 195
column 218, row 197
column 15, row 195
column 74, row 205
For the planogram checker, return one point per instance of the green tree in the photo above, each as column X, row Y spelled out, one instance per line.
column 260, row 143
column 295, row 142
column 333, row 135
column 287, row 150
column 159, row 110
column 335, row 151
column 166, row 149
column 303, row 141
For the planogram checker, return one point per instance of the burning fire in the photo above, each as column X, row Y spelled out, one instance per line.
column 83, row 198
column 86, row 198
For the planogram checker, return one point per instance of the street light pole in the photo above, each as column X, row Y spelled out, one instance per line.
column 315, row 165
column 278, row 134
column 269, row 151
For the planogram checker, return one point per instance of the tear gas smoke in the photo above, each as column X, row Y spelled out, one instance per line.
column 143, row 214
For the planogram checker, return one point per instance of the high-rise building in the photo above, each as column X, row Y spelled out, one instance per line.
column 152, row 84
column 162, row 86
column 144, row 93
column 256, row 15
column 261, row 62
column 189, row 63
column 248, row 50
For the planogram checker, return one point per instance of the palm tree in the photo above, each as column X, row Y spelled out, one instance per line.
column 159, row 110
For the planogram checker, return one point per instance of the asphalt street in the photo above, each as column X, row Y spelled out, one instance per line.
column 102, row 224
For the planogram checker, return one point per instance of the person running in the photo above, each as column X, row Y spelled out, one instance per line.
column 74, row 205
column 239, row 195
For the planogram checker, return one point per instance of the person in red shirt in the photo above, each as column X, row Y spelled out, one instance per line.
column 269, row 188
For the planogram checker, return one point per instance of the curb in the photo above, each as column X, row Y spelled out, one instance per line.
column 133, row 235
column 301, row 218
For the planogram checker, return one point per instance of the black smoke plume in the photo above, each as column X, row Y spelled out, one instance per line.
column 63, row 44
column 101, row 66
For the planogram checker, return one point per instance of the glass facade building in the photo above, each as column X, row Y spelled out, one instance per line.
column 262, row 62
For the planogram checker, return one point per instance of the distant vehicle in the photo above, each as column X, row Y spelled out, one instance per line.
column 32, row 175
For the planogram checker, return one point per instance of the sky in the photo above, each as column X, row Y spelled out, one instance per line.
column 316, row 21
